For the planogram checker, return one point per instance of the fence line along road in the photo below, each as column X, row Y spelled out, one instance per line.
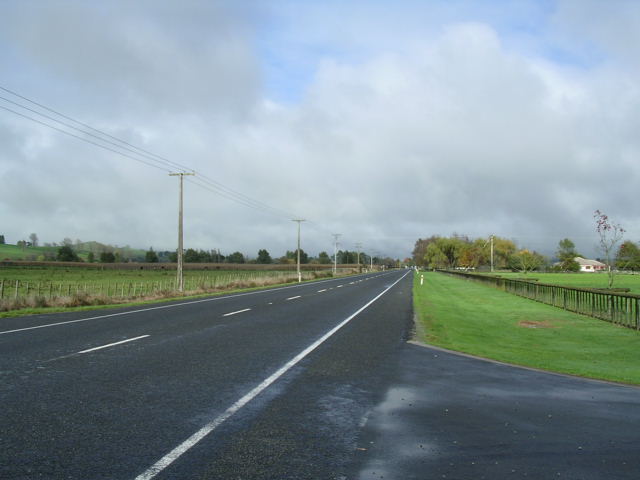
column 16, row 289
column 619, row 308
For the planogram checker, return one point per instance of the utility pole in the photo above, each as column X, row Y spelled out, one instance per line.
column 180, row 277
column 299, row 220
column 335, row 252
column 491, row 238
column 358, row 247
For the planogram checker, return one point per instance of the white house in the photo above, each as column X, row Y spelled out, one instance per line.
column 587, row 265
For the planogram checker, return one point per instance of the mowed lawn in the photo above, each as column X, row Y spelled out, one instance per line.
column 582, row 280
column 470, row 317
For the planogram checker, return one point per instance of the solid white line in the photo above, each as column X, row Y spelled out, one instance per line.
column 181, row 449
column 130, row 312
column 112, row 344
column 238, row 311
column 293, row 298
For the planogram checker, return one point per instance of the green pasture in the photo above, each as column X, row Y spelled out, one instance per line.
column 92, row 275
column 469, row 317
column 581, row 280
column 13, row 252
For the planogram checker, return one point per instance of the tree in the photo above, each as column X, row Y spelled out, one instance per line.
column 2, row 241
column 628, row 256
column 150, row 256
column 526, row 261
column 434, row 257
column 566, row 254
column 66, row 254
column 34, row 239
column 292, row 257
column 263, row 257
column 91, row 257
column 348, row 257
column 235, row 257
column 324, row 258
column 107, row 257
column 191, row 256
column 420, row 250
column 610, row 234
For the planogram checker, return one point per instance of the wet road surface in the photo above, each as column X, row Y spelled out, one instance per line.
column 111, row 394
column 450, row 416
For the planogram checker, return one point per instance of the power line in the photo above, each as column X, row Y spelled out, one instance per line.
column 161, row 162
column 83, row 139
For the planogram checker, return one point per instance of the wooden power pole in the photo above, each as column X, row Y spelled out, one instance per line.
column 180, row 276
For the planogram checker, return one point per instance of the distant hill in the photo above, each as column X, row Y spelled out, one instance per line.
column 13, row 252
column 35, row 254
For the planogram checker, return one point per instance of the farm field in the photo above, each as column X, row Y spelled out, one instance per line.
column 33, row 254
column 581, row 280
column 477, row 319
column 29, row 287
column 13, row 252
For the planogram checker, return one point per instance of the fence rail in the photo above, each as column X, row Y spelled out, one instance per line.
column 619, row 308
column 11, row 289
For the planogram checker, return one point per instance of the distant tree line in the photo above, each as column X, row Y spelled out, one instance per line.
column 459, row 251
column 69, row 250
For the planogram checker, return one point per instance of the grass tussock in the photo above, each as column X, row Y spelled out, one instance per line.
column 83, row 299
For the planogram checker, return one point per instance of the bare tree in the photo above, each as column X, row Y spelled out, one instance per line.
column 34, row 239
column 610, row 234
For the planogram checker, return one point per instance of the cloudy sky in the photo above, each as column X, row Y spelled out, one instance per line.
column 384, row 121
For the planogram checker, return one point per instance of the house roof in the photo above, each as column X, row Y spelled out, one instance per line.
column 586, row 261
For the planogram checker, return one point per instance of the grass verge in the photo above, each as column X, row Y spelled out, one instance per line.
column 465, row 316
column 94, row 303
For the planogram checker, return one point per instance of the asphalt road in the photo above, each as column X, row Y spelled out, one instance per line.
column 306, row 382
column 77, row 404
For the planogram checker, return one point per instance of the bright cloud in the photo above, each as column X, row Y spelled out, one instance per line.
column 384, row 124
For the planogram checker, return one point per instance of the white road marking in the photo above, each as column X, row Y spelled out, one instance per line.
column 323, row 290
column 293, row 298
column 340, row 286
column 181, row 449
column 236, row 312
column 112, row 344
column 161, row 307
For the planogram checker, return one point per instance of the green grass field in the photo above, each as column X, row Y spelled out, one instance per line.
column 37, row 254
column 28, row 290
column 13, row 252
column 470, row 317
column 582, row 280
column 91, row 278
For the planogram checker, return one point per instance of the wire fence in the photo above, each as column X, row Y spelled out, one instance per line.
column 16, row 290
column 619, row 308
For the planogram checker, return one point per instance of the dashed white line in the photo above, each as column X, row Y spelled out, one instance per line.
column 340, row 286
column 185, row 446
column 323, row 290
column 112, row 344
column 236, row 312
column 293, row 298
